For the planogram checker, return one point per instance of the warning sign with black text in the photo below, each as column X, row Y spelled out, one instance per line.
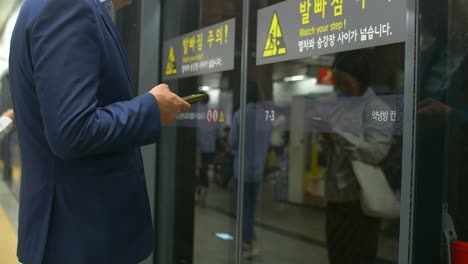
column 297, row 29
column 207, row 50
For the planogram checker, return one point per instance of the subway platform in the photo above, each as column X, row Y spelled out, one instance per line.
column 8, row 225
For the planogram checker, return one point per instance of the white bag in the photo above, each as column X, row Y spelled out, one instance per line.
column 377, row 198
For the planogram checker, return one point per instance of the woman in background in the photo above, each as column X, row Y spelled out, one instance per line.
column 257, row 142
column 352, row 236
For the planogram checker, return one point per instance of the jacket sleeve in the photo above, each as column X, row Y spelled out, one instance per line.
column 64, row 50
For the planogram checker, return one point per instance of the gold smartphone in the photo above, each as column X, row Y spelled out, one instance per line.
column 194, row 98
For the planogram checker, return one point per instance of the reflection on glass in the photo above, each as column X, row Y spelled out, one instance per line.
column 306, row 122
column 195, row 158
column 352, row 236
column 214, row 193
column 325, row 113
column 206, row 140
column 257, row 140
column 224, row 236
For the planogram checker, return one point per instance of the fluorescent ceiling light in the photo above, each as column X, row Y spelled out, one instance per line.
column 294, row 78
column 205, row 88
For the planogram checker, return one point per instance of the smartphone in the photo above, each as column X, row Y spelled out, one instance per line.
column 194, row 98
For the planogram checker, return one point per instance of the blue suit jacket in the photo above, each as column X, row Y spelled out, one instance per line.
column 83, row 194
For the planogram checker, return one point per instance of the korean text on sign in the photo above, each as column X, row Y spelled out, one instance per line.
column 337, row 7
column 384, row 116
column 304, row 9
column 320, row 7
column 368, row 33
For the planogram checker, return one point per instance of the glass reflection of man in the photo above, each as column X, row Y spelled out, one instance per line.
column 206, row 140
column 257, row 139
column 352, row 236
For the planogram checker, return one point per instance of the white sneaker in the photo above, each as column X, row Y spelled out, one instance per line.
column 250, row 254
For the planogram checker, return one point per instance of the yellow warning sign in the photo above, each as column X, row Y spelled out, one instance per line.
column 275, row 43
column 171, row 68
column 221, row 117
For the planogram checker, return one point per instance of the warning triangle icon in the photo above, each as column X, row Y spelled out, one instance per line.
column 221, row 117
column 171, row 68
column 274, row 45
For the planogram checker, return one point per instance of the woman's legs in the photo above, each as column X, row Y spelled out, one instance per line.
column 250, row 203
column 352, row 236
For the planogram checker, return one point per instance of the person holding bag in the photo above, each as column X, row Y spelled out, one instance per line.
column 352, row 235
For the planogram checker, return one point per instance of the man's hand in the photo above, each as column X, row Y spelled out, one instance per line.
column 170, row 105
column 433, row 113
column 9, row 113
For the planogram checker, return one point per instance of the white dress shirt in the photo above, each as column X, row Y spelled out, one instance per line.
column 109, row 7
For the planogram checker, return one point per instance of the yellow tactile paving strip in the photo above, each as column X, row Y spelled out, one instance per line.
column 8, row 240
column 16, row 173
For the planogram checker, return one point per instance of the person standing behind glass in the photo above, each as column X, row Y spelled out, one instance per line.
column 352, row 236
column 257, row 140
column 206, row 141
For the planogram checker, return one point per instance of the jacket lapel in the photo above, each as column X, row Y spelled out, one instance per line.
column 115, row 35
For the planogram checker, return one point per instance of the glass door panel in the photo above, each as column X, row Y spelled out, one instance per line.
column 307, row 122
column 197, row 222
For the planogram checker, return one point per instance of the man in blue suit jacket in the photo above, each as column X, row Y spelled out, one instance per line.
column 83, row 194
